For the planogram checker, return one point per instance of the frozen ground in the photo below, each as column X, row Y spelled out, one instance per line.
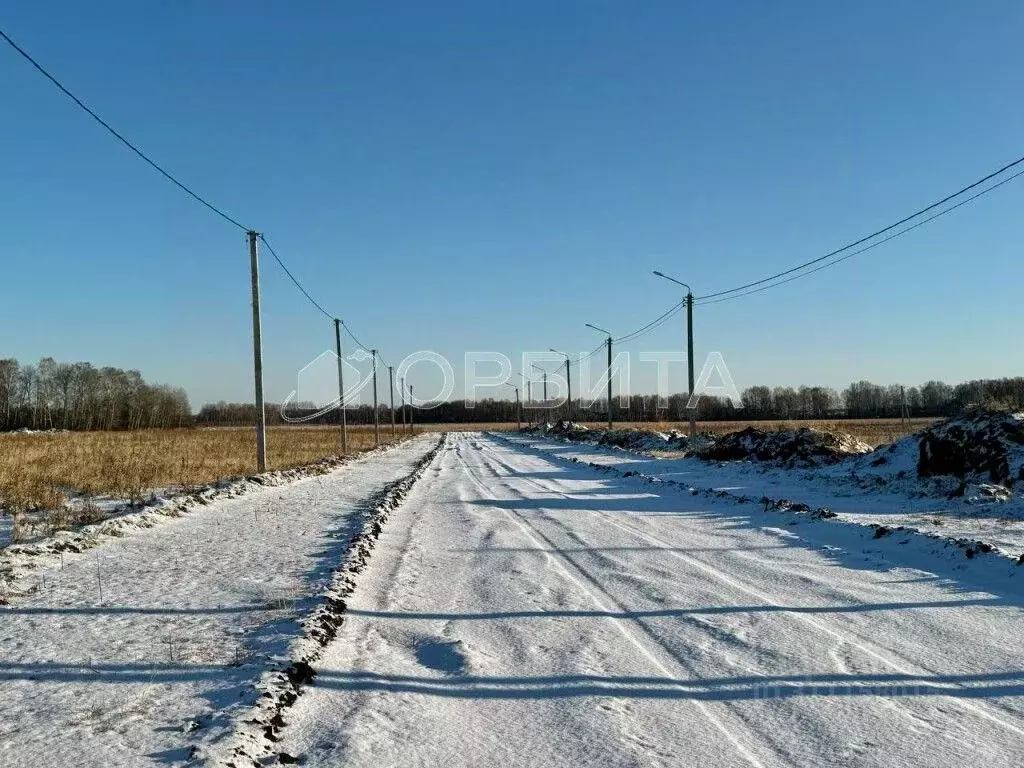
column 128, row 653
column 523, row 610
column 1000, row 524
column 518, row 609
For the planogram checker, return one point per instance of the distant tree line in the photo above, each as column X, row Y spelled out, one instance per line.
column 862, row 399
column 53, row 395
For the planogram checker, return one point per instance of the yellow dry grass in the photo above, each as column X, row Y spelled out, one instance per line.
column 37, row 471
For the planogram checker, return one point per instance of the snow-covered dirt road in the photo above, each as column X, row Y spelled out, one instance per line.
column 520, row 610
column 132, row 652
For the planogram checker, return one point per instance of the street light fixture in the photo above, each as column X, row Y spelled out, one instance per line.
column 545, row 382
column 529, row 391
column 688, row 300
column 609, row 335
column 568, row 384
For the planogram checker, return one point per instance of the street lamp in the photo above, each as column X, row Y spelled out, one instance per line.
column 545, row 382
column 529, row 392
column 519, row 407
column 568, row 384
column 688, row 299
column 609, row 335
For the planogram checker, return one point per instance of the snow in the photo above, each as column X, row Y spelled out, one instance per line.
column 146, row 645
column 860, row 490
column 504, row 602
column 521, row 609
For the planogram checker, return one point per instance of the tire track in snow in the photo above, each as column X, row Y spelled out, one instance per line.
column 531, row 533
column 864, row 646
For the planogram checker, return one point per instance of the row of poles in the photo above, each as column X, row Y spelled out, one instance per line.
column 261, row 414
column 691, row 411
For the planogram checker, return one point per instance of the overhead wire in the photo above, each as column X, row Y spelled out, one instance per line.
column 157, row 167
column 294, row 279
column 658, row 321
column 121, row 138
column 893, row 236
column 873, row 235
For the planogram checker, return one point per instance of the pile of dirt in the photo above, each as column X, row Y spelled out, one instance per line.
column 806, row 447
column 642, row 440
column 984, row 443
column 570, row 430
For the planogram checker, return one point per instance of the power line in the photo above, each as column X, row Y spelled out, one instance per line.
column 295, row 280
column 659, row 320
column 873, row 235
column 159, row 169
column 859, row 251
column 354, row 337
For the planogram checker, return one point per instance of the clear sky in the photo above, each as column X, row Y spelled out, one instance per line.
column 490, row 176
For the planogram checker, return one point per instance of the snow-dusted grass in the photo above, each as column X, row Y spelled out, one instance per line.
column 129, row 652
column 54, row 479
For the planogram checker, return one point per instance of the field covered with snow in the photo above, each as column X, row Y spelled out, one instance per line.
column 517, row 599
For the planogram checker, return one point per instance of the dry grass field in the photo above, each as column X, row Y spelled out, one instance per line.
column 41, row 470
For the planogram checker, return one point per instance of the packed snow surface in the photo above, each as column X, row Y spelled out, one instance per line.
column 521, row 609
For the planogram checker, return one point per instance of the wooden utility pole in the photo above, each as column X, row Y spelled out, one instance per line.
column 257, row 356
column 376, row 412
column 341, row 387
column 391, row 384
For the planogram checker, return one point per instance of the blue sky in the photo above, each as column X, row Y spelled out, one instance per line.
column 483, row 176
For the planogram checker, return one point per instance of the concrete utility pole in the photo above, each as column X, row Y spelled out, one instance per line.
column 602, row 330
column 568, row 386
column 544, row 374
column 341, row 388
column 688, row 299
column 412, row 405
column 527, row 382
column 403, row 404
column 391, row 384
column 376, row 412
column 519, row 411
column 257, row 356
column 609, row 383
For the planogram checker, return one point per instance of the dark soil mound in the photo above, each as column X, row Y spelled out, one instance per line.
column 985, row 442
column 803, row 447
